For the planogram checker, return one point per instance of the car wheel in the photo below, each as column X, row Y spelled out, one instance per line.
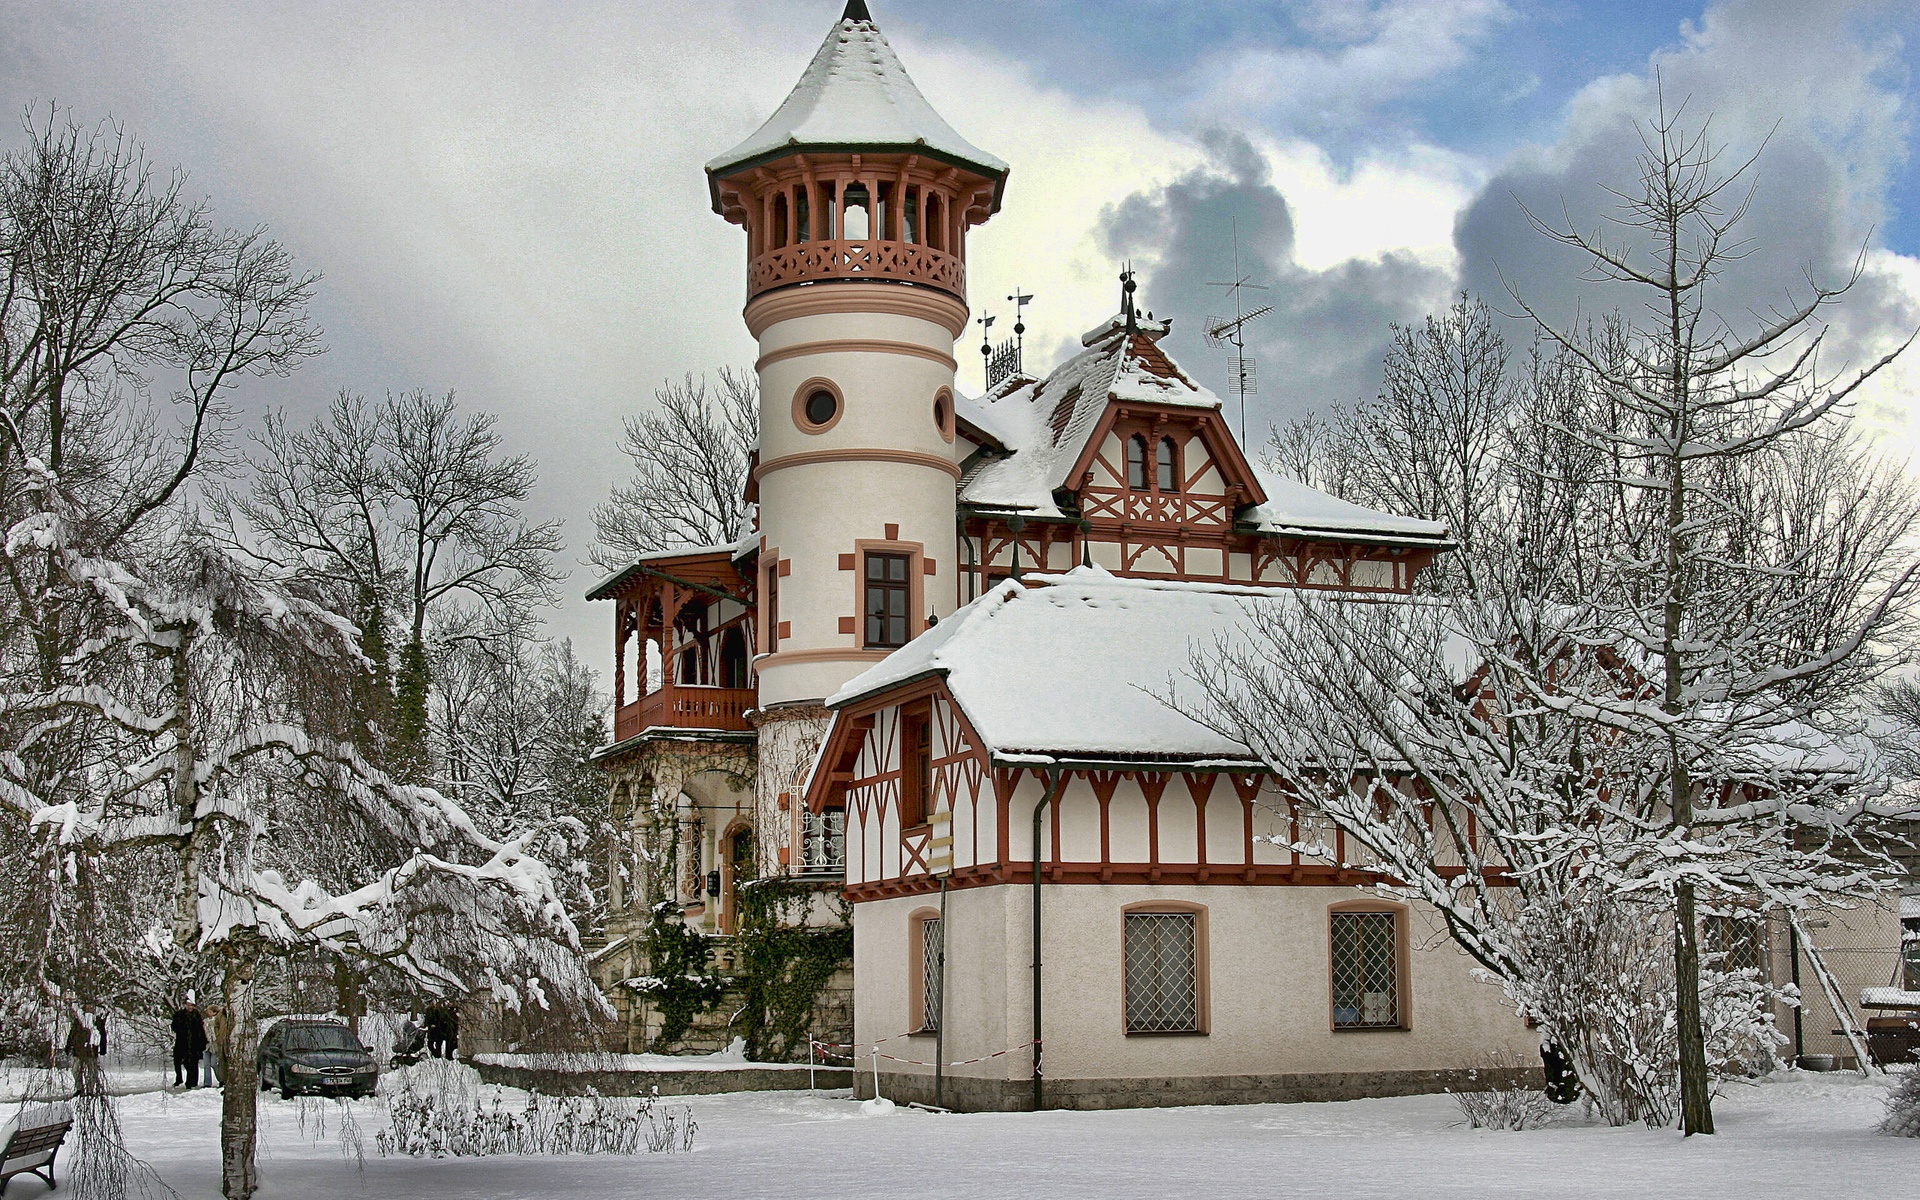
column 286, row 1085
column 266, row 1085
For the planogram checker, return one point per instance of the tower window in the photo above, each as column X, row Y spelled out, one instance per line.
column 1169, row 466
column 817, row 404
column 888, row 595
column 910, row 216
column 801, row 220
column 777, row 236
column 943, row 413
column 1137, row 463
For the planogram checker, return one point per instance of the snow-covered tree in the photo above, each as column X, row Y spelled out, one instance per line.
column 1643, row 678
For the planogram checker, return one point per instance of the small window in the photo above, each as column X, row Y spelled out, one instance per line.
column 800, row 215
column 1737, row 943
column 1162, row 972
column 1168, row 465
column 943, row 413
column 910, row 216
column 1366, row 970
column 821, row 406
column 889, row 592
column 778, row 235
column 773, row 606
column 916, row 763
column 1137, row 463
column 823, row 841
column 932, row 971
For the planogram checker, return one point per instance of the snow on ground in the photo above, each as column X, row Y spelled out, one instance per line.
column 1794, row 1135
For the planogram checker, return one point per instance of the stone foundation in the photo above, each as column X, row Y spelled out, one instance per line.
column 964, row 1094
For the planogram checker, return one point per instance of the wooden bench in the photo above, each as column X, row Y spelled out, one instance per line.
column 35, row 1140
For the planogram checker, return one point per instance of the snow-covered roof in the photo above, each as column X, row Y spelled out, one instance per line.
column 733, row 550
column 855, row 94
column 1294, row 508
column 1076, row 666
column 1047, row 424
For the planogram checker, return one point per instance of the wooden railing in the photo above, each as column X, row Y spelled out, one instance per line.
column 685, row 708
column 905, row 261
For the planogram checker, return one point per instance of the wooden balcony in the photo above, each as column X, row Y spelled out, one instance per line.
column 676, row 707
column 809, row 262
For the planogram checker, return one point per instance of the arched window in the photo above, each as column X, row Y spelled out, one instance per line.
column 778, row 235
column 733, row 658
column 858, row 217
column 1168, row 464
column 1137, row 463
column 693, row 668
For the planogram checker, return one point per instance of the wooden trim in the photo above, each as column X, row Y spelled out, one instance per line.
column 818, row 299
column 804, row 458
column 819, row 383
column 787, row 658
column 1132, row 874
column 855, row 346
column 1202, row 998
column 1402, row 963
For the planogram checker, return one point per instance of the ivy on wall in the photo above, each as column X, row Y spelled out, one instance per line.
column 783, row 965
column 680, row 986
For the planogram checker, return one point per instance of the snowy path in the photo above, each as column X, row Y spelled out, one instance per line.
column 1795, row 1137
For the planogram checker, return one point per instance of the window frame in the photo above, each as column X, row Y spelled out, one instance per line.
column 1402, row 965
column 1202, row 998
column 920, row 1021
column 913, row 586
column 914, row 719
column 801, row 394
column 1137, row 455
column 1166, row 458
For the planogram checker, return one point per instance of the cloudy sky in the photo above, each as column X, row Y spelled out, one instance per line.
column 506, row 199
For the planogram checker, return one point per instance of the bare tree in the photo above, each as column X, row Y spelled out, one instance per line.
column 690, row 457
column 406, row 508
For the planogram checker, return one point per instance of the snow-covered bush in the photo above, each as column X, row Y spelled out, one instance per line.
column 1903, row 1106
column 1511, row 1108
column 1599, row 980
column 437, row 1109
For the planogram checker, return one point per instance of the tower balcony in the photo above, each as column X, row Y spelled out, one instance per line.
column 903, row 262
column 685, row 706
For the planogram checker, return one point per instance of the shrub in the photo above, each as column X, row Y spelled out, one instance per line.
column 1903, row 1106
column 438, row 1110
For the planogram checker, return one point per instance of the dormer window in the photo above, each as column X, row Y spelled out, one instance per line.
column 1137, row 463
column 1167, row 466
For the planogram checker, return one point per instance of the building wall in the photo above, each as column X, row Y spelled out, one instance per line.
column 814, row 512
column 1266, row 961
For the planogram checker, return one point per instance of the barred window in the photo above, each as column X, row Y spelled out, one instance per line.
column 1736, row 944
column 932, row 966
column 823, row 840
column 1366, row 970
column 1162, row 972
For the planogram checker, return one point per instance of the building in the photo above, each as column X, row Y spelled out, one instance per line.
column 944, row 652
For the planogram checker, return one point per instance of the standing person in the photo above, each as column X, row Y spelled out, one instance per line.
column 453, row 1031
column 100, row 1026
column 189, row 1043
column 437, row 1030
column 210, row 1052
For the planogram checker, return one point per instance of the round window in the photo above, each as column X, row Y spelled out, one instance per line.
column 943, row 414
column 821, row 407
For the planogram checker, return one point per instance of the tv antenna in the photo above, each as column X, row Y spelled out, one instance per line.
column 1228, row 333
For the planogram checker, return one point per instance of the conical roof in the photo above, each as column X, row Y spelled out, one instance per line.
column 855, row 96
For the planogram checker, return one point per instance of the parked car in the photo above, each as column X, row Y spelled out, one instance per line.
column 307, row 1055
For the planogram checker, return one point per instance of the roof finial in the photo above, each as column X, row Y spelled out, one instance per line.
column 1127, row 286
column 857, row 11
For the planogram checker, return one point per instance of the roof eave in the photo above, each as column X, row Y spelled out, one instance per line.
column 720, row 168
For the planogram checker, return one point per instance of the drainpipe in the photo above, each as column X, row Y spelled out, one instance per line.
column 940, row 1006
column 1050, row 796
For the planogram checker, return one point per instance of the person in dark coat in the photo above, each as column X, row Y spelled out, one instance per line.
column 437, row 1036
column 189, row 1043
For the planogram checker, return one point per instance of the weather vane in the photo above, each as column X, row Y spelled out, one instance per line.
column 1229, row 332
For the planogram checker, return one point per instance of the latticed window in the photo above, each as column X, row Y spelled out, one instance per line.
column 823, row 840
column 931, row 967
column 1737, row 943
column 889, row 592
column 1167, row 469
column 1163, row 973
column 1137, row 463
column 1366, row 971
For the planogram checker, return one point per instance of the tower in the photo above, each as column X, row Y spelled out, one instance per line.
column 856, row 197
